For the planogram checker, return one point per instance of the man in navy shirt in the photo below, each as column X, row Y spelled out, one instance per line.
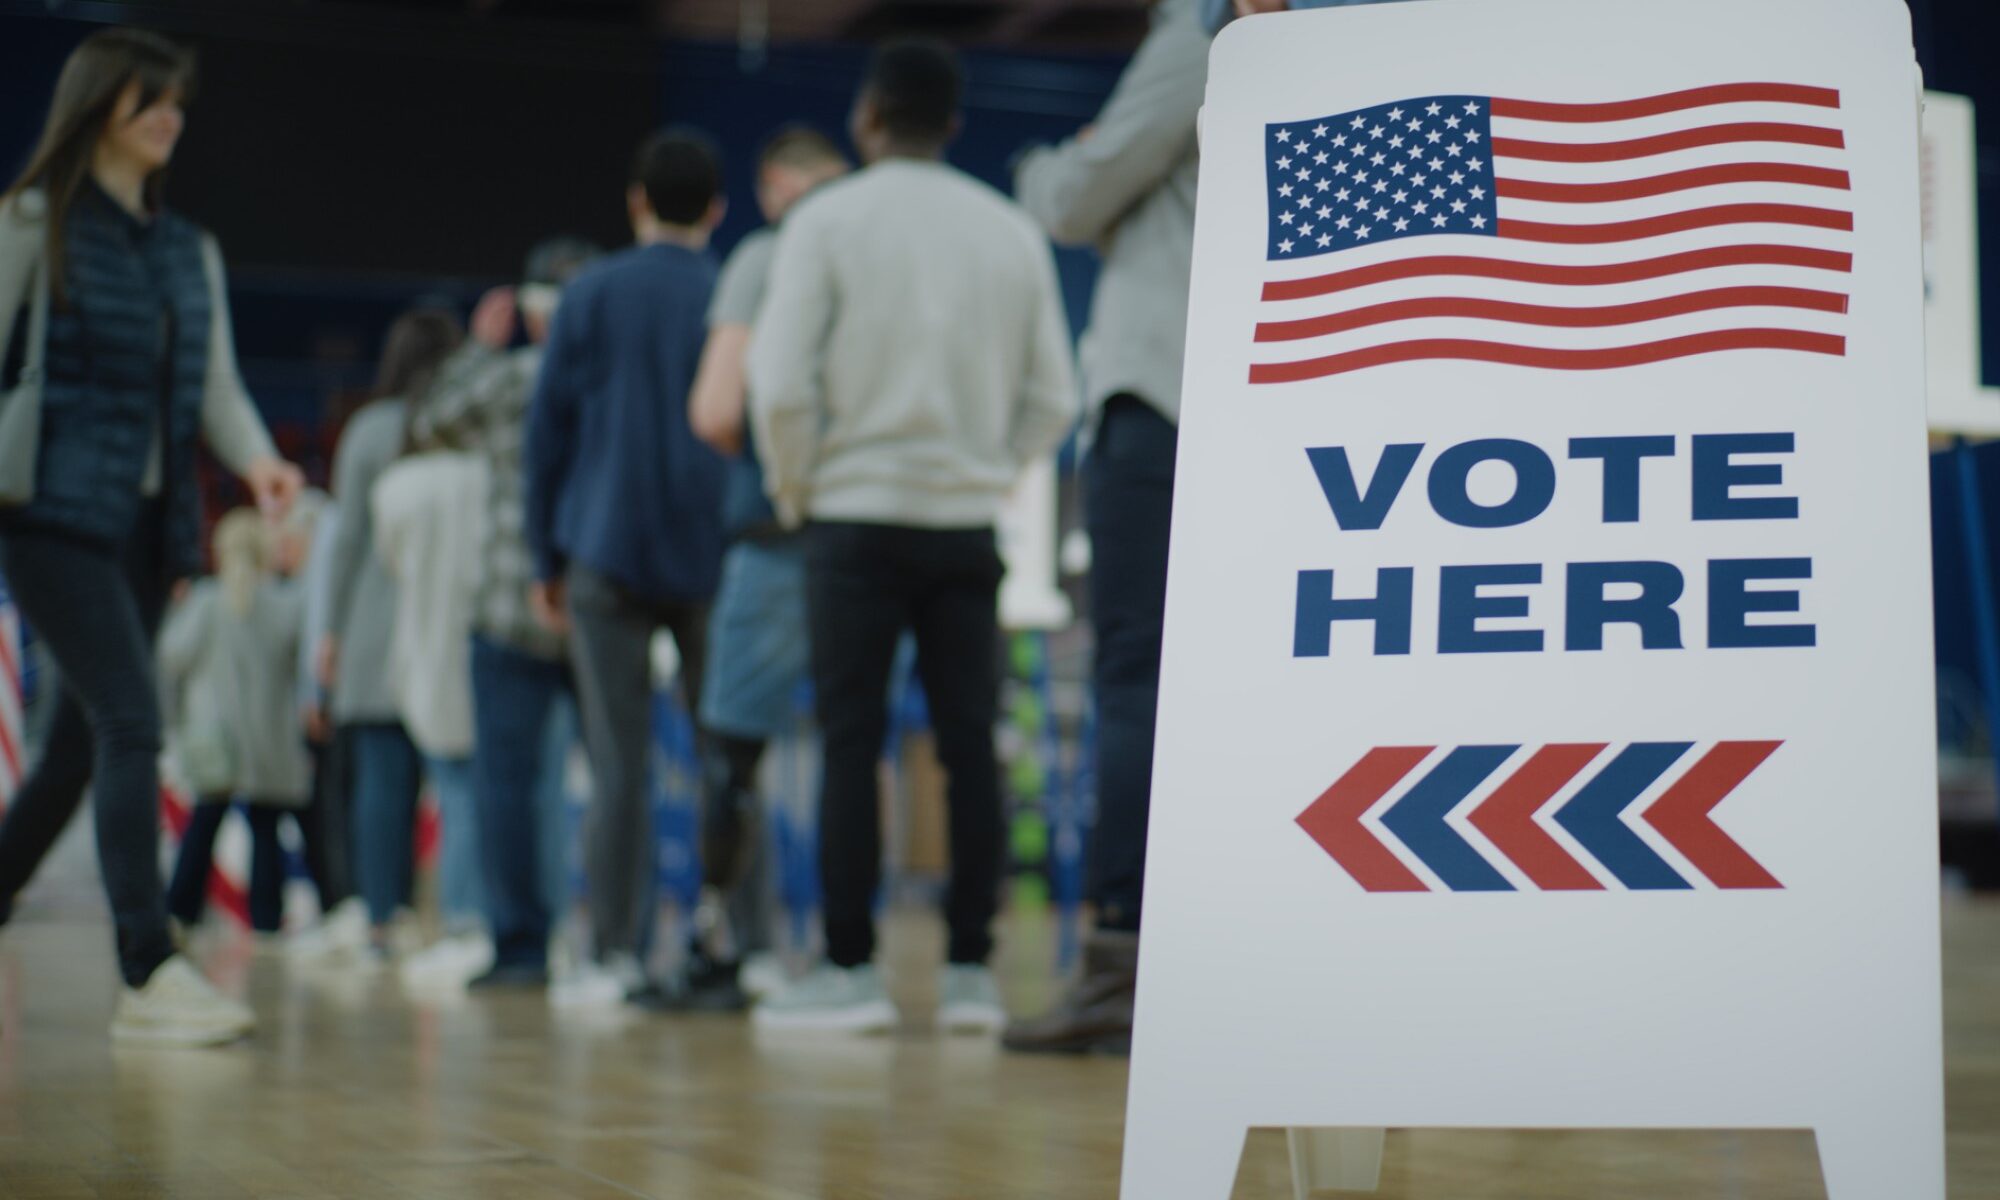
column 624, row 516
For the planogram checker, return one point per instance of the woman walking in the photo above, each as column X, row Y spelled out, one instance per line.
column 128, row 359
column 229, row 656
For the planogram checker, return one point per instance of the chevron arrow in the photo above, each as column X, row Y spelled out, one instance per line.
column 1681, row 815
column 1592, row 816
column 1418, row 819
column 1334, row 820
column 1507, row 818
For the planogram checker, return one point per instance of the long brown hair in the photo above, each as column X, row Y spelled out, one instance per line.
column 96, row 75
column 416, row 346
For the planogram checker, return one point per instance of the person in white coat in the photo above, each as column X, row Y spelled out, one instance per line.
column 429, row 510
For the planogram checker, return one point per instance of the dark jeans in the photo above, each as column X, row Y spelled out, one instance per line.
column 513, row 696
column 388, row 777
column 1128, row 485
column 611, row 633
column 326, row 836
column 96, row 611
column 188, row 893
column 866, row 585
column 735, row 862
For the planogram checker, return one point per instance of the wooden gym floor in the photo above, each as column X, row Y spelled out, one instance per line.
column 353, row 1090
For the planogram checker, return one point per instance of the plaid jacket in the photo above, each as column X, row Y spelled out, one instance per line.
column 480, row 403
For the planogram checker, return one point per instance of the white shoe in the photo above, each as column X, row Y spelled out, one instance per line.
column 762, row 975
column 598, row 984
column 341, row 933
column 969, row 1000
column 452, row 962
column 178, row 1006
column 829, row 999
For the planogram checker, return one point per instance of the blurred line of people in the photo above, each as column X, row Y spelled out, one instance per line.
column 791, row 464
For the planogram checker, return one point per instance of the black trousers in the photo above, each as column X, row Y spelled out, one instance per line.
column 866, row 585
column 611, row 635
column 96, row 610
column 1128, row 485
column 187, row 895
column 324, row 830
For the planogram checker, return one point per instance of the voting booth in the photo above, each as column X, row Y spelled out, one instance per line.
column 1546, row 725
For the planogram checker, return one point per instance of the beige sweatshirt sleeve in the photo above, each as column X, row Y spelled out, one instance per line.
column 230, row 423
column 1048, row 401
column 787, row 365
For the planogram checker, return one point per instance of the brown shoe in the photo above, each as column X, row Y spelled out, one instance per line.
column 1095, row 1016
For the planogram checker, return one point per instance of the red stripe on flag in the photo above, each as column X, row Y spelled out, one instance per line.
column 1664, row 143
column 1561, row 273
column 1652, row 106
column 1507, row 818
column 1600, row 359
column 10, row 662
column 1676, row 181
column 1680, row 222
column 1553, row 315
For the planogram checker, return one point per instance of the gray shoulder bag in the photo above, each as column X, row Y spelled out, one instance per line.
column 21, row 408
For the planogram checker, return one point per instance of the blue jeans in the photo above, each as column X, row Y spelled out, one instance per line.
column 388, row 774
column 1128, row 493
column 461, row 900
column 514, row 696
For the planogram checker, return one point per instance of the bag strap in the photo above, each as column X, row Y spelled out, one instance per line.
column 37, row 349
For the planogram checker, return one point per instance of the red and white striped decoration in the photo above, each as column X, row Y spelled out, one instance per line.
column 13, row 702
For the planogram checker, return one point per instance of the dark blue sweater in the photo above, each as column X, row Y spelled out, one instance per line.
column 616, row 480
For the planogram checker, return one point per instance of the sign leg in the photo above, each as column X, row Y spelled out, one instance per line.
column 1185, row 1160
column 1890, row 1159
column 1334, row 1160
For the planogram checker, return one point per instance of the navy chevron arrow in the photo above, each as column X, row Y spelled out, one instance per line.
column 1418, row 819
column 1592, row 816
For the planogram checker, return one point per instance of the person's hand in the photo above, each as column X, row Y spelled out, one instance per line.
column 1250, row 8
column 546, row 600
column 1086, row 133
column 319, row 730
column 326, row 661
column 180, row 589
column 493, row 320
column 275, row 483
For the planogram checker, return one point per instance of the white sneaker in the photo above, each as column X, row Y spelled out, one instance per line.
column 452, row 962
column 969, row 1000
column 340, row 934
column 598, row 984
column 178, row 1006
column 762, row 974
column 830, row 999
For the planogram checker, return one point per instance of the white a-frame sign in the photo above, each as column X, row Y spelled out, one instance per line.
column 1546, row 731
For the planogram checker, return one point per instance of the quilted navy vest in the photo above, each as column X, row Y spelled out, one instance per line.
column 127, row 354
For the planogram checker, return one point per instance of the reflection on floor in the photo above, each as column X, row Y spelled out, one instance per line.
column 355, row 1090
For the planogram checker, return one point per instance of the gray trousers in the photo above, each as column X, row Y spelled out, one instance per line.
column 611, row 634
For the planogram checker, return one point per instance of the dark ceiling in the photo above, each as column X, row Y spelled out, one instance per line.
column 1014, row 24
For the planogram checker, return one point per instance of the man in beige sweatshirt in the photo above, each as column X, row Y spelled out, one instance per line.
column 911, row 358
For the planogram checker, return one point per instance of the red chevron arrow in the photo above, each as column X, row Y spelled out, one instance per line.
column 1507, row 818
column 1681, row 815
column 1334, row 820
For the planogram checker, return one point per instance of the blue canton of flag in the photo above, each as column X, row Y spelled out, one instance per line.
column 1376, row 174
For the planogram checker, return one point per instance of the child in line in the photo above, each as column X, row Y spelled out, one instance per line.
column 229, row 663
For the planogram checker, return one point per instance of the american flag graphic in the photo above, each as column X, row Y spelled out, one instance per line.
column 1564, row 236
column 13, row 700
